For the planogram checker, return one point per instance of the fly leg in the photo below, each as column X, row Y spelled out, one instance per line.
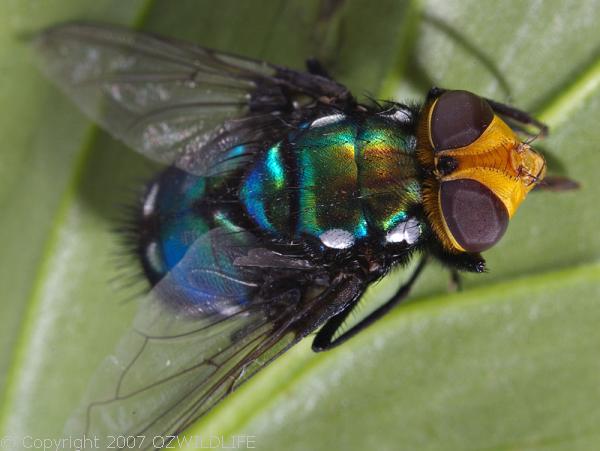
column 455, row 282
column 315, row 67
column 519, row 116
column 324, row 339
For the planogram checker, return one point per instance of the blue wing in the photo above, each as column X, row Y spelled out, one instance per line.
column 206, row 327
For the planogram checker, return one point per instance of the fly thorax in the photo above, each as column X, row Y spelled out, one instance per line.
column 339, row 179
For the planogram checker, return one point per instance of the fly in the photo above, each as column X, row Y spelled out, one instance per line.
column 283, row 199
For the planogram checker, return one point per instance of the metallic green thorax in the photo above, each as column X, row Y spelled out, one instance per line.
column 339, row 178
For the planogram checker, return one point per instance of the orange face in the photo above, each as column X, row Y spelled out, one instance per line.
column 480, row 171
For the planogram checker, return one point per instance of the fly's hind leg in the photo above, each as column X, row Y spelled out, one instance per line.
column 324, row 339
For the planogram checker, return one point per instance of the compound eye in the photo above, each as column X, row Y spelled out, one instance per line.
column 458, row 118
column 475, row 216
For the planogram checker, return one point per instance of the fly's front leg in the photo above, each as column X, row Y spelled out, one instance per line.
column 519, row 116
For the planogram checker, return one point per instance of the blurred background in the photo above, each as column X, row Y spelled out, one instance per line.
column 510, row 362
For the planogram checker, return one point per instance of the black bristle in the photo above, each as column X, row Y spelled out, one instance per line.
column 133, row 232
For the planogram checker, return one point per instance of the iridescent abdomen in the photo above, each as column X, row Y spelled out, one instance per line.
column 178, row 209
column 340, row 179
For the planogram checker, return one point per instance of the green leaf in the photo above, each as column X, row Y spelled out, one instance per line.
column 508, row 363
